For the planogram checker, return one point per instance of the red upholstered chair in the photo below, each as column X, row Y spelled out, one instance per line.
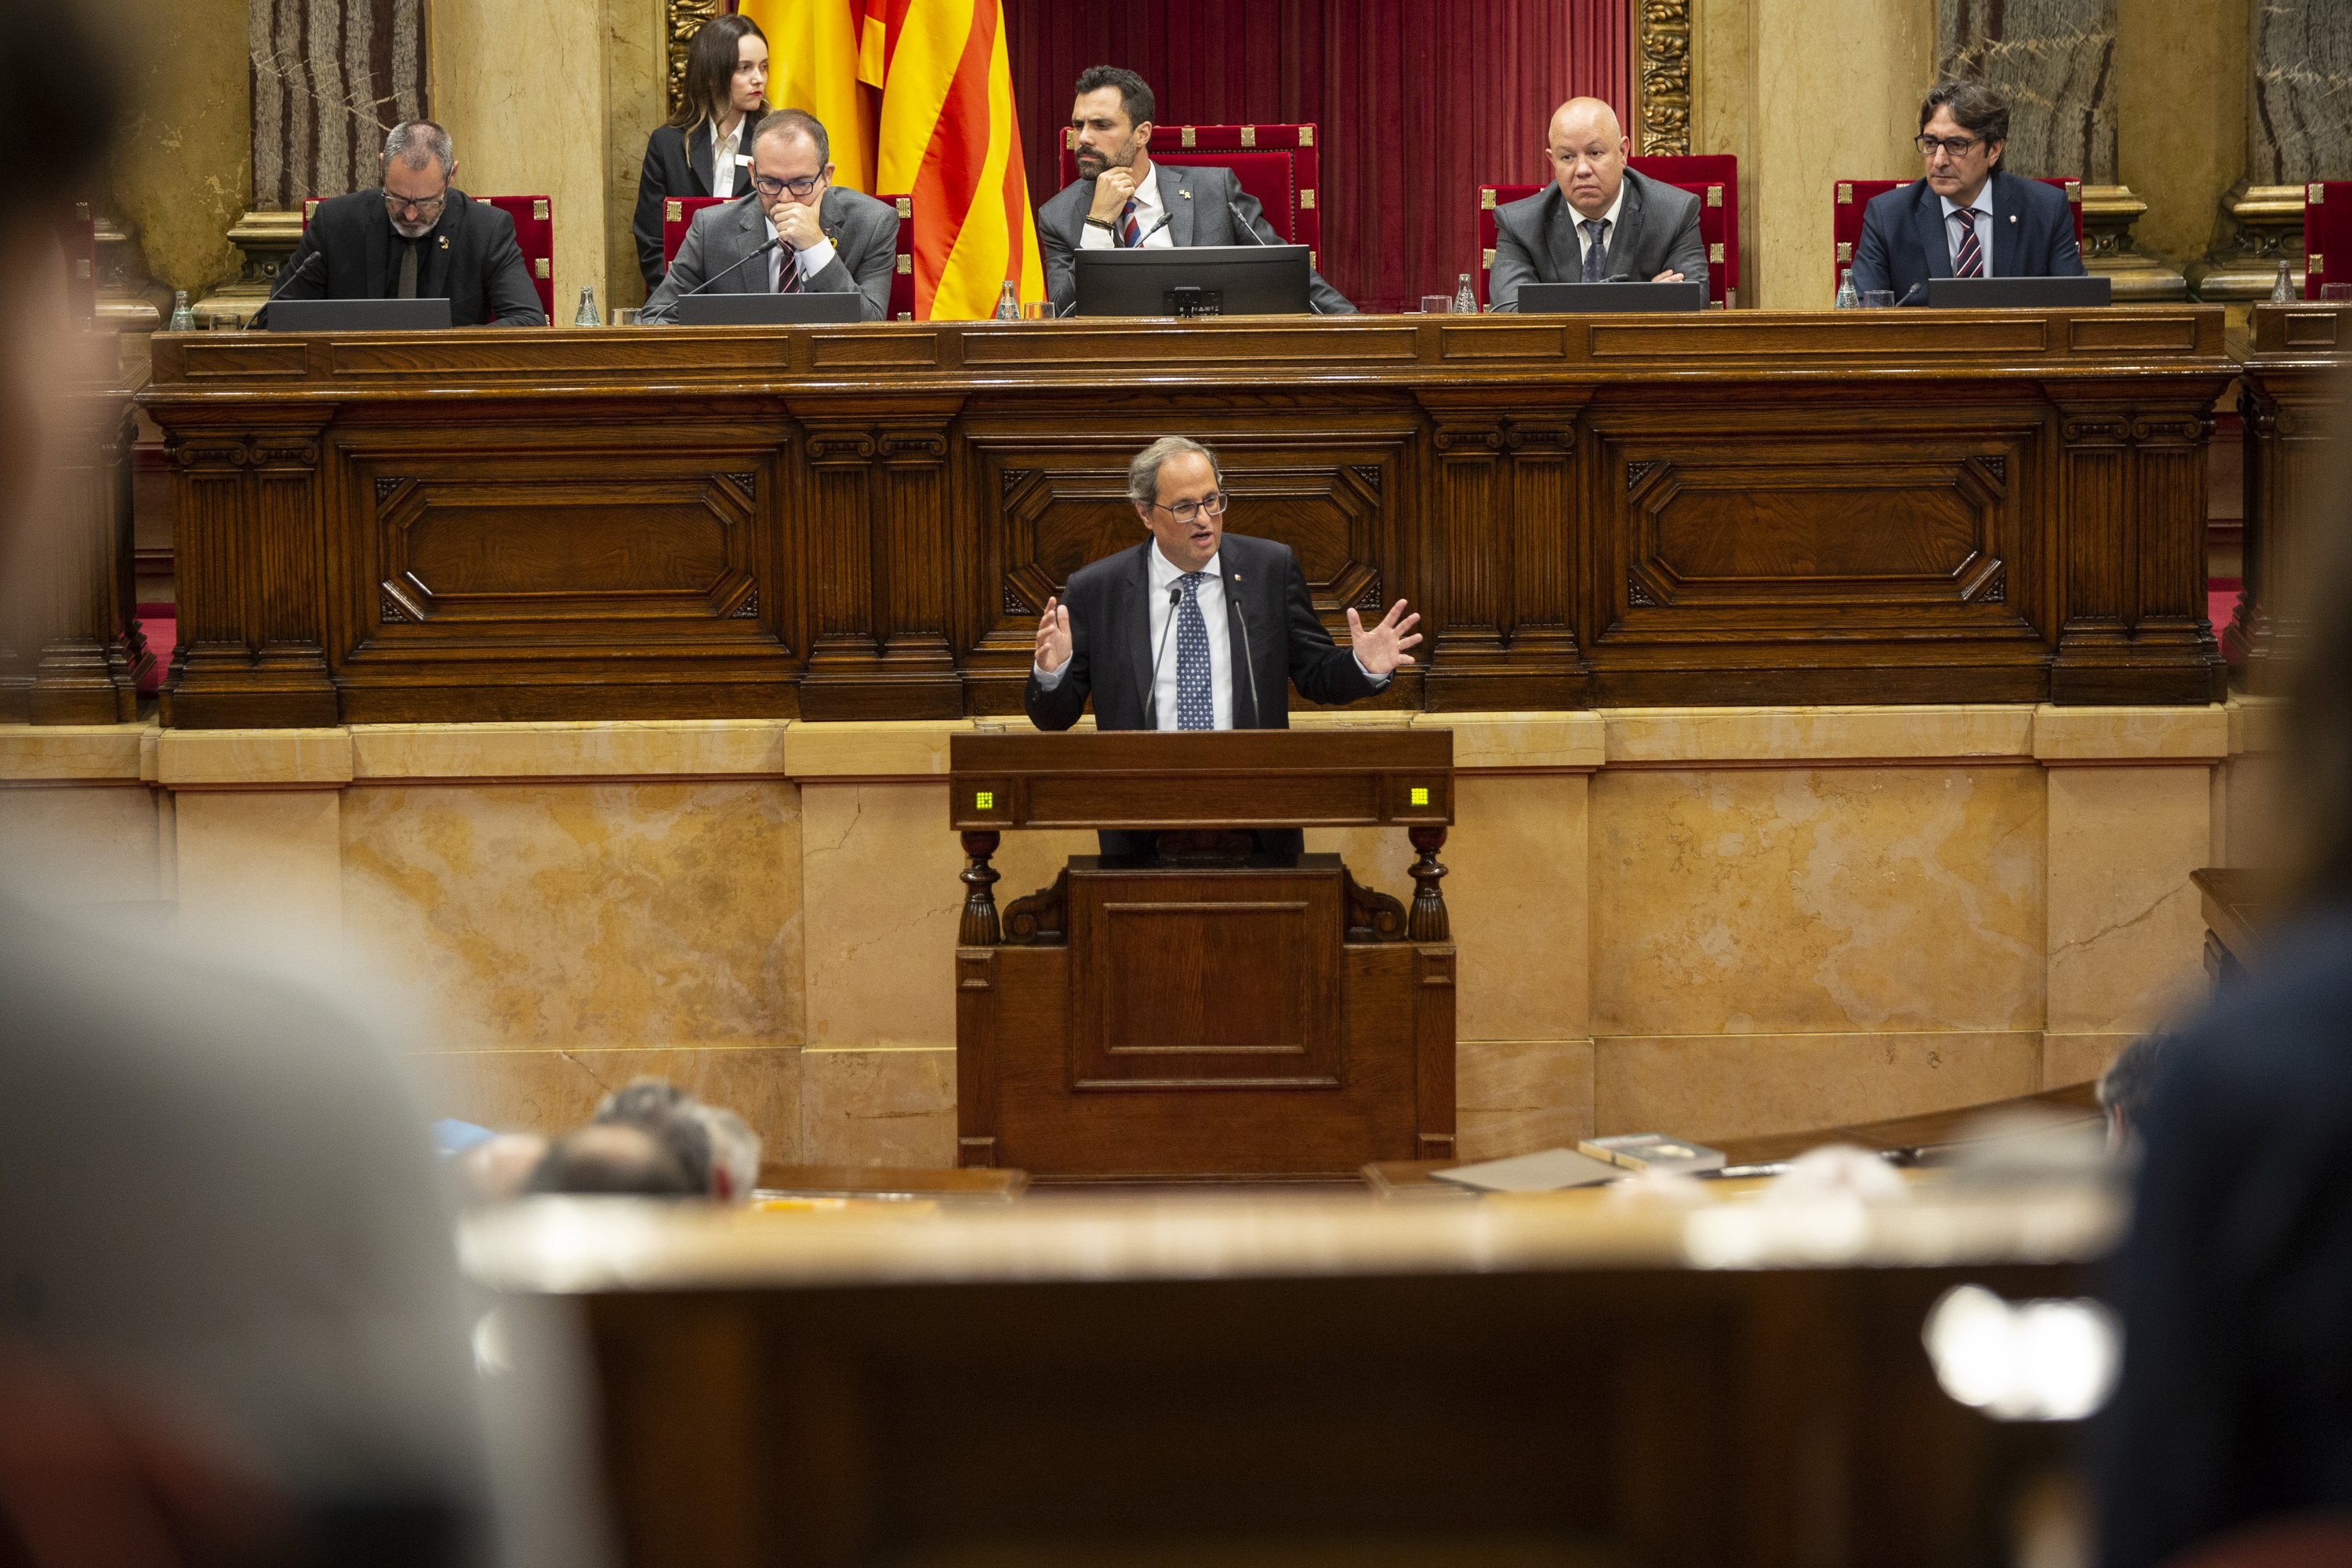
column 1713, row 178
column 678, row 215
column 1852, row 196
column 1278, row 164
column 534, row 222
column 2327, row 234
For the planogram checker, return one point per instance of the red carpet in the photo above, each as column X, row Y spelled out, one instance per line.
column 161, row 625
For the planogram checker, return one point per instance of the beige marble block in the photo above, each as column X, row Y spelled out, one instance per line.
column 268, row 858
column 584, row 916
column 85, row 842
column 1514, row 1097
column 2127, row 927
column 1516, row 864
column 553, row 1091
column 76, row 753
column 2079, row 1058
column 1763, row 900
column 1732, row 1087
column 879, row 1107
column 878, row 868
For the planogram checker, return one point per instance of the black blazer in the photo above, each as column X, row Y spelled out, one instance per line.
column 1111, row 637
column 679, row 165
column 2236, row 1281
column 1906, row 240
column 470, row 258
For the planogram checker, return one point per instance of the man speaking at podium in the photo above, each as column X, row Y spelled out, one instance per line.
column 1157, row 634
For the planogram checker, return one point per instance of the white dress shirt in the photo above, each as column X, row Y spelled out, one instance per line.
column 1148, row 210
column 1982, row 207
column 722, row 157
column 1164, row 574
column 813, row 260
column 1608, row 232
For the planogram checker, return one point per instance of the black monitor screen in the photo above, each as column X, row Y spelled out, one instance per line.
column 1193, row 280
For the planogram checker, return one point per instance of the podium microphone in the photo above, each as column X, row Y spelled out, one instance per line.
column 765, row 247
column 1233, row 613
column 1152, row 703
column 283, row 284
column 1250, row 228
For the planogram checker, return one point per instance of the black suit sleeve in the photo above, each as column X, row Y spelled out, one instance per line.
column 1687, row 252
column 1323, row 671
column 2065, row 253
column 1060, row 258
column 509, row 298
column 1870, row 259
column 646, row 226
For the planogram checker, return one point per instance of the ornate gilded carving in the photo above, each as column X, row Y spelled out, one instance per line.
column 1664, row 50
column 686, row 19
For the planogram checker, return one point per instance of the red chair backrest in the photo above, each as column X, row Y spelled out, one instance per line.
column 1852, row 196
column 1278, row 164
column 534, row 221
column 1713, row 178
column 2327, row 234
column 678, row 217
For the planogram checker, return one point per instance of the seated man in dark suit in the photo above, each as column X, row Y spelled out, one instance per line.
column 418, row 237
column 1598, row 221
column 1967, row 216
column 1122, row 198
column 826, row 240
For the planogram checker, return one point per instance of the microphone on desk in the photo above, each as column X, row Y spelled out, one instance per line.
column 1250, row 228
column 284, row 283
column 1152, row 703
column 1233, row 612
column 765, row 247
column 1908, row 292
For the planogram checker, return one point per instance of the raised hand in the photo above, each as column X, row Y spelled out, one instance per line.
column 1053, row 637
column 1381, row 648
column 797, row 224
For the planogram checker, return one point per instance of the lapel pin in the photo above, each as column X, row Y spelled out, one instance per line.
column 445, row 242
column 2012, row 217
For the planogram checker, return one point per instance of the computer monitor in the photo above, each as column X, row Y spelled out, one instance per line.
column 357, row 315
column 769, row 309
column 2018, row 293
column 1194, row 281
column 1598, row 299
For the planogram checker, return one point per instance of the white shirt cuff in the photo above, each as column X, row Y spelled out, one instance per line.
column 815, row 259
column 1048, row 678
column 1093, row 238
column 1379, row 682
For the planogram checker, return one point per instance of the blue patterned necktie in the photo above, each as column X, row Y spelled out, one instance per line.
column 1196, row 705
column 1596, row 255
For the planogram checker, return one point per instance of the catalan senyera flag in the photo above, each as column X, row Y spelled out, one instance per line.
column 813, row 47
column 950, row 139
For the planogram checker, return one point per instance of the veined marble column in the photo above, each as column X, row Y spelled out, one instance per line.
column 331, row 78
column 2298, row 131
column 2055, row 59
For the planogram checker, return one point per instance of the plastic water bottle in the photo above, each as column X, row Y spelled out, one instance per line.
column 2282, row 291
column 183, row 319
column 586, row 315
column 1847, row 299
column 1465, row 298
column 1008, row 303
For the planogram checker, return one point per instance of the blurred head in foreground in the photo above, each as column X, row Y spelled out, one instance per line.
column 2127, row 1086
column 717, row 1150
column 613, row 1157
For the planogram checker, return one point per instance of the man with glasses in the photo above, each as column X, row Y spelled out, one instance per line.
column 1598, row 221
column 1967, row 216
column 416, row 237
column 827, row 240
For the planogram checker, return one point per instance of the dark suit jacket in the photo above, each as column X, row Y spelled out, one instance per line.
column 470, row 258
column 1110, row 638
column 1905, row 241
column 678, row 163
column 1535, row 240
column 1200, row 199
column 2236, row 1280
column 865, row 234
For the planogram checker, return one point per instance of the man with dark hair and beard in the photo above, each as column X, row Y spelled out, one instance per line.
column 1122, row 199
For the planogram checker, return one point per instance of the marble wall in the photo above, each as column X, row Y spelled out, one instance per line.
column 2299, row 106
column 1719, row 921
column 2180, row 122
column 184, row 174
column 2055, row 59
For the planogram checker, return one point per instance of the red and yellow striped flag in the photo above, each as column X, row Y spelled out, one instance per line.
column 950, row 138
column 814, row 49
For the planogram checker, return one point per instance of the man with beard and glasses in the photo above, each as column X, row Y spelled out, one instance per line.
column 1121, row 198
column 417, row 238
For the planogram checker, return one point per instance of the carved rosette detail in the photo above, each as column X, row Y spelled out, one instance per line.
column 384, row 487
column 748, row 483
column 1996, row 591
column 1635, row 593
column 1370, row 598
column 749, row 610
column 1636, row 473
column 1663, row 48
column 389, row 610
column 1370, row 473
column 1014, row 604
column 1013, row 478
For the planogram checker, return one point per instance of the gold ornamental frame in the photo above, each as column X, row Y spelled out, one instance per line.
column 1662, row 48
column 685, row 18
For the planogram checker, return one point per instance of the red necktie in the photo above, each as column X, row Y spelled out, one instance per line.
column 788, row 270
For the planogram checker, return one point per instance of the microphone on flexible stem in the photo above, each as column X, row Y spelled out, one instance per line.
column 1152, row 703
column 283, row 284
column 1233, row 612
column 1250, row 228
column 765, row 247
column 1908, row 292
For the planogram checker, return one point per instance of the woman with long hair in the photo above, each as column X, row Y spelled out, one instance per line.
column 705, row 149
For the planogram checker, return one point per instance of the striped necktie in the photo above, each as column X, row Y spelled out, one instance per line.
column 788, row 270
column 1129, row 230
column 1967, row 261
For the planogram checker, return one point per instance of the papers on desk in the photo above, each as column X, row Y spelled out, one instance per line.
column 1654, row 1151
column 1550, row 1171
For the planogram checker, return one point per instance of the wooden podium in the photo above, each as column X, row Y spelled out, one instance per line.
column 1209, row 1013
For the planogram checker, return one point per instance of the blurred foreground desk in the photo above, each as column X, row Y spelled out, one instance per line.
column 865, row 522
column 2298, row 373
column 1179, row 1383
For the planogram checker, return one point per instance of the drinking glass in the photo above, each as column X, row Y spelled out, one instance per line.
column 1436, row 304
column 1878, row 299
column 1036, row 310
